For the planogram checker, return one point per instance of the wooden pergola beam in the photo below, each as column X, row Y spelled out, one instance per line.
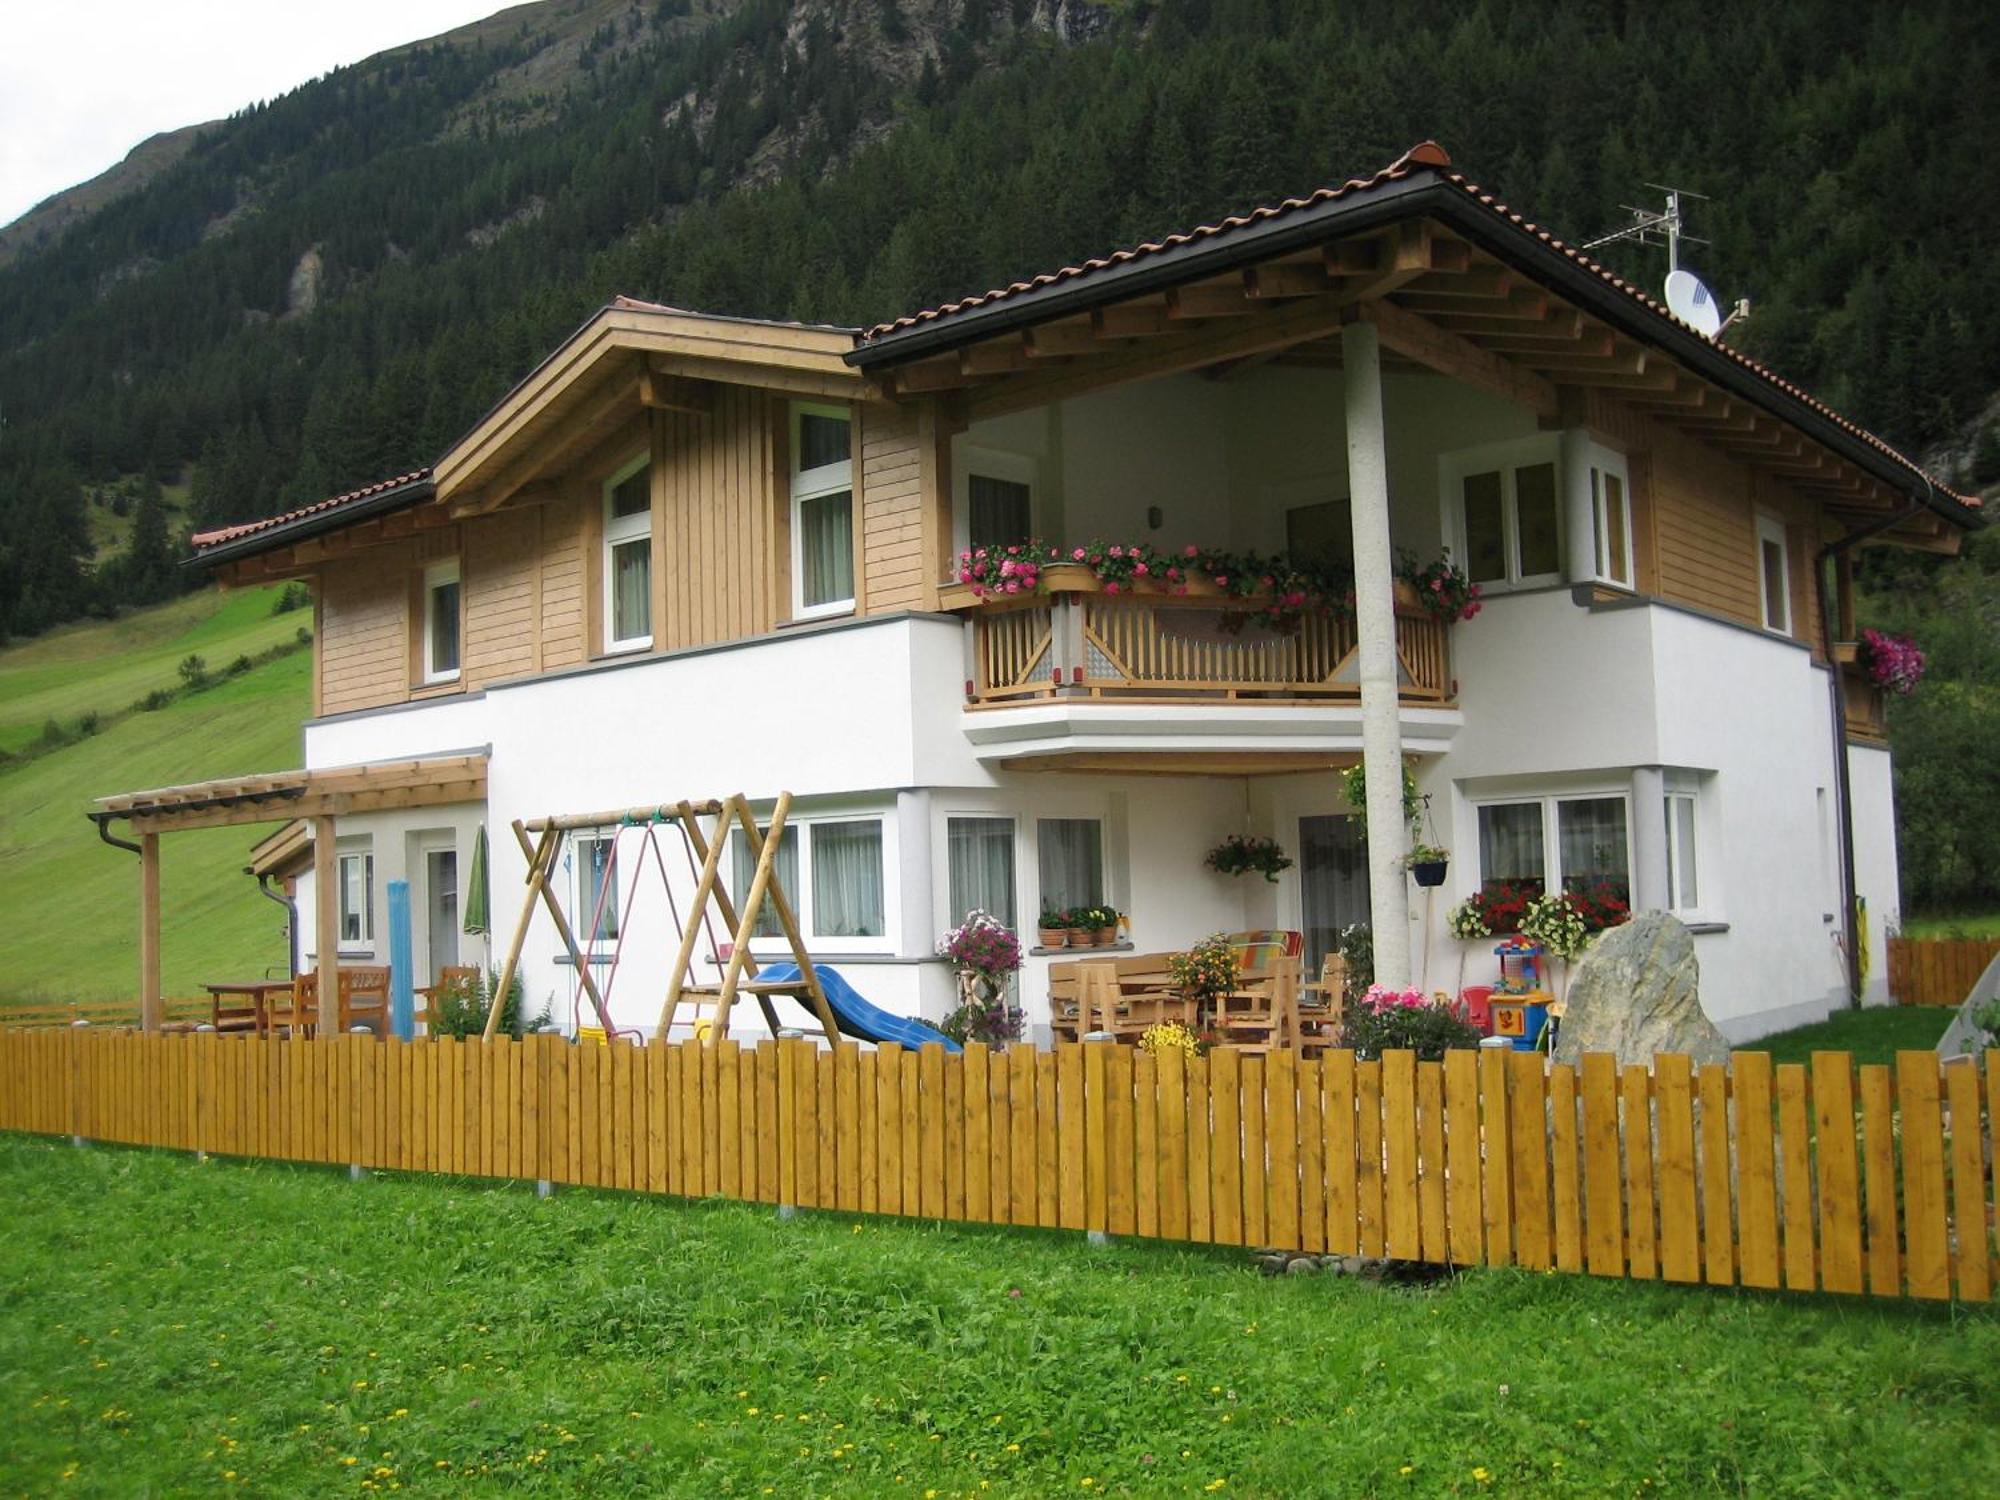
column 1437, row 349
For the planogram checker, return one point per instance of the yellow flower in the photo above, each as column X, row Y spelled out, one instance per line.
column 1013, row 1447
column 1481, row 1475
column 1214, row 1484
column 1407, row 1469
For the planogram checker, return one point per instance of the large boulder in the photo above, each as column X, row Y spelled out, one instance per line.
column 1965, row 1037
column 1637, row 991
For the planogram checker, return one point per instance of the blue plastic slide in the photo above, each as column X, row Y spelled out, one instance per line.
column 855, row 1016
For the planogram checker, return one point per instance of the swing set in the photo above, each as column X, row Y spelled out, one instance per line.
column 702, row 849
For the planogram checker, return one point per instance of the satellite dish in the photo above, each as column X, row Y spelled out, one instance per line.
column 1693, row 303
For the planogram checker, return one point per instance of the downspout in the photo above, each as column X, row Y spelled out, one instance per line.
column 1842, row 782
column 291, row 921
column 103, row 822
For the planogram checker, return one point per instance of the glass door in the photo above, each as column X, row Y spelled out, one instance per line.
column 441, row 909
column 1333, row 882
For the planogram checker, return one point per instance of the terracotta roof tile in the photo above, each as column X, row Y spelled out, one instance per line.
column 1428, row 154
column 220, row 534
column 1492, row 204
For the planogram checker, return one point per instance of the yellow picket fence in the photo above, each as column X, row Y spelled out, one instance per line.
column 1937, row 971
column 1830, row 1177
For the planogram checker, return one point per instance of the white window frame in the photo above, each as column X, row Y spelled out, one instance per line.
column 1683, row 851
column 1507, row 458
column 1022, row 903
column 436, row 576
column 581, row 926
column 617, row 533
column 1103, row 863
column 1552, row 872
column 805, row 905
column 1604, row 462
column 364, row 937
column 814, row 484
column 991, row 463
column 1771, row 532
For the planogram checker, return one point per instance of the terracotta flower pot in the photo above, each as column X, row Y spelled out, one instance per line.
column 1106, row 936
column 1052, row 937
column 1081, row 937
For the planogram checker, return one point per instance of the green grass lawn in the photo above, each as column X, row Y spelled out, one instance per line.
column 1874, row 1035
column 174, row 1328
column 104, row 666
column 69, row 904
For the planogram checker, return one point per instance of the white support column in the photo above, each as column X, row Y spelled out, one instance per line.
column 1579, row 511
column 1649, row 839
column 1375, row 636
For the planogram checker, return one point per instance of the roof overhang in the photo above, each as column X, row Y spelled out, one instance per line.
column 242, row 800
column 289, row 851
column 287, row 532
column 631, row 357
column 1734, row 400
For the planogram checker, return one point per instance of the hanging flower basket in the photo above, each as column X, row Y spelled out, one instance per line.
column 1238, row 854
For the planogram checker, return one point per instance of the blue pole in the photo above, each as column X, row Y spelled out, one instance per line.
column 402, row 1009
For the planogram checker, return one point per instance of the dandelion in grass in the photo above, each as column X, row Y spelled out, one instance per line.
column 1482, row 1476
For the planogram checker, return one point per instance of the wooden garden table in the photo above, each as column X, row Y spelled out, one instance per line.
column 256, row 1016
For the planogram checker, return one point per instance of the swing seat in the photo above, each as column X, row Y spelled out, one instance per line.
column 792, row 987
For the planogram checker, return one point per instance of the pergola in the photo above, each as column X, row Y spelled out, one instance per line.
column 316, row 798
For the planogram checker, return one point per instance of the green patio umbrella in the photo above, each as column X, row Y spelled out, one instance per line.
column 477, row 918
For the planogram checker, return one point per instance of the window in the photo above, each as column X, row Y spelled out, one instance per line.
column 980, row 857
column 1585, row 835
column 822, row 511
column 1507, row 509
column 1774, row 572
column 784, row 871
column 1322, row 534
column 596, row 917
column 1070, row 858
column 1683, row 870
column 628, row 558
column 1002, row 510
column 839, row 892
column 846, row 878
column 357, row 898
column 1611, row 517
column 441, row 622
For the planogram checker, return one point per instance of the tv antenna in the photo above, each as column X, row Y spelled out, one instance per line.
column 1687, row 297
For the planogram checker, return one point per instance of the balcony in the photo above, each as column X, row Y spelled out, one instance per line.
column 1073, row 673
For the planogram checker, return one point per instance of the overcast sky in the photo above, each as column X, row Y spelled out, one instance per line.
column 84, row 81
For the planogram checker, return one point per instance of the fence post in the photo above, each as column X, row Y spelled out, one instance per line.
column 76, row 1137
column 356, row 1172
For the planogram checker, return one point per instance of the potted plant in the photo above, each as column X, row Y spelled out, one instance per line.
column 984, row 954
column 1427, row 864
column 1240, row 853
column 1081, row 929
column 1104, row 925
column 1052, row 928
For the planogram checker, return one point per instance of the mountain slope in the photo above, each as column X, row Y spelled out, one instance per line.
column 331, row 286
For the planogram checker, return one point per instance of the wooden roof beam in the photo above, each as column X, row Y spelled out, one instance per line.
column 1523, row 304
column 662, row 390
column 1131, row 320
column 1435, row 348
column 1054, row 340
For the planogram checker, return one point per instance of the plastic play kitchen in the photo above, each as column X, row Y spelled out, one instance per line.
column 1520, row 1001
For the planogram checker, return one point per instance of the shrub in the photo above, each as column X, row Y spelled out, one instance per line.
column 194, row 672
column 87, row 725
column 1386, row 1020
column 303, row 636
column 156, row 700
column 459, row 1009
column 294, row 595
column 240, row 665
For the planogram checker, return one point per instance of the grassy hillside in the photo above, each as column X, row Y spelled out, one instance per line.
column 104, row 667
column 68, row 903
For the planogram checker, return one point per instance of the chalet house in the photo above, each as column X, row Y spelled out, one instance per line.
column 691, row 555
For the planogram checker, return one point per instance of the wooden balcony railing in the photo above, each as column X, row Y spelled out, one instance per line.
column 1079, row 642
column 1867, row 707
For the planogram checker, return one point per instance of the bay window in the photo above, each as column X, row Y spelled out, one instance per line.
column 979, row 855
column 1505, row 507
column 628, row 558
column 1578, row 844
column 822, row 511
column 837, row 889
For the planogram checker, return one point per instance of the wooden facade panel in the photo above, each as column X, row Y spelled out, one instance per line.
column 715, row 526
column 364, row 629
column 498, row 568
column 562, row 584
column 892, row 509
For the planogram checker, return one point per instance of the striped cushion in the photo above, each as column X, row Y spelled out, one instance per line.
column 1259, row 950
